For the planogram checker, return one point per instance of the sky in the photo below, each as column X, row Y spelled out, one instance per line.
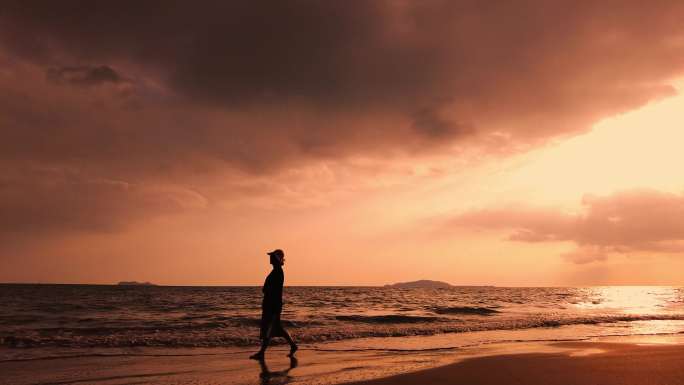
column 527, row 143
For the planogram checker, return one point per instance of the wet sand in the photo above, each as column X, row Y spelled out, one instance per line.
column 593, row 363
column 604, row 363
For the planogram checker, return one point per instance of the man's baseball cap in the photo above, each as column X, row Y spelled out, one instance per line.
column 277, row 253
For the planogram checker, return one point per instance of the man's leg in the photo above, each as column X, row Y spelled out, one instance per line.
column 266, row 337
column 293, row 346
column 260, row 354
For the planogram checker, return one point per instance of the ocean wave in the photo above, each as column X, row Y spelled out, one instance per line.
column 387, row 319
column 376, row 326
column 466, row 310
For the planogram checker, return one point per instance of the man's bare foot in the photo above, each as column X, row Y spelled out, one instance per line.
column 293, row 349
column 257, row 356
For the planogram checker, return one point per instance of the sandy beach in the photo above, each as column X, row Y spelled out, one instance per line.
column 656, row 361
column 600, row 363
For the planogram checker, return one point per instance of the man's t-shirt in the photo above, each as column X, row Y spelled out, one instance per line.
column 273, row 290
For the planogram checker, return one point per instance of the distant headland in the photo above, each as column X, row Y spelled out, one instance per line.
column 423, row 283
column 135, row 283
column 426, row 284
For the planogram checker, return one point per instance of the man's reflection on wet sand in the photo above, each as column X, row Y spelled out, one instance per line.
column 276, row 377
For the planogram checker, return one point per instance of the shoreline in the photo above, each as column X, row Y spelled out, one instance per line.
column 360, row 367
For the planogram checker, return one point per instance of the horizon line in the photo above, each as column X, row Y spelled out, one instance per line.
column 339, row 285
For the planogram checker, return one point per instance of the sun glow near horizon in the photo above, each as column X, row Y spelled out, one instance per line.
column 637, row 149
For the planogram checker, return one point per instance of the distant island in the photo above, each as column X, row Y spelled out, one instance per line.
column 135, row 283
column 423, row 283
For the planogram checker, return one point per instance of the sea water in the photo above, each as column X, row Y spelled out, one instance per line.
column 48, row 320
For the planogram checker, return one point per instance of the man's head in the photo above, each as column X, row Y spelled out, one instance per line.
column 277, row 257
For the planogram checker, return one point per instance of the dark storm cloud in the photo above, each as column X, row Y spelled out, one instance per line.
column 84, row 75
column 430, row 123
column 627, row 221
column 235, row 52
column 262, row 87
column 531, row 70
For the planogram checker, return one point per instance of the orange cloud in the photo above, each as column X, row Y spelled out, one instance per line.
column 35, row 203
column 628, row 221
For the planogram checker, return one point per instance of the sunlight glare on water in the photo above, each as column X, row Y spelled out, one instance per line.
column 632, row 299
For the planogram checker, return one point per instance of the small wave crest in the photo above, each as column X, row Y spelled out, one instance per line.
column 465, row 310
column 386, row 319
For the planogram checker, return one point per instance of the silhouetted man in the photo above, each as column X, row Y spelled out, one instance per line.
column 272, row 306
